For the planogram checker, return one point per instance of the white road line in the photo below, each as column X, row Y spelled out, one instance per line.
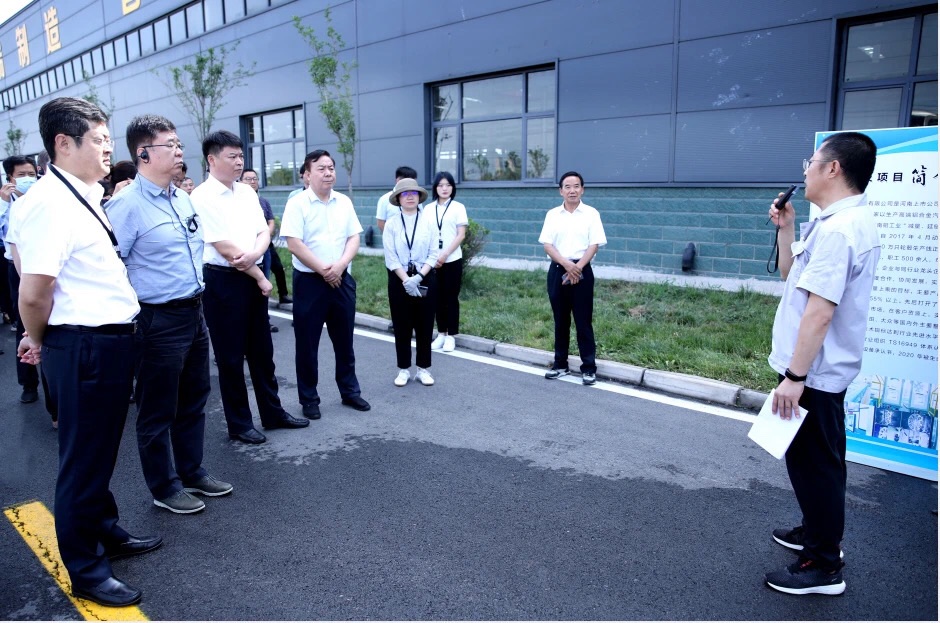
column 608, row 387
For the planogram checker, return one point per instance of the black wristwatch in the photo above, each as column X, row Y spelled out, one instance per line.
column 793, row 377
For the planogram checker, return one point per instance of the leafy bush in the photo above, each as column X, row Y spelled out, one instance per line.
column 472, row 247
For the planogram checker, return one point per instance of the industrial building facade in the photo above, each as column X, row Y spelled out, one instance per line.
column 685, row 117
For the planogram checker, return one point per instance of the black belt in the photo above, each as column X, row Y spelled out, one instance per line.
column 221, row 269
column 106, row 329
column 190, row 301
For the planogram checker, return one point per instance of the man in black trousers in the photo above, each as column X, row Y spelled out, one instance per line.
column 271, row 262
column 236, row 295
column 79, row 308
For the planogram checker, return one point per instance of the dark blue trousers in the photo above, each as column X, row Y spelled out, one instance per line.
column 237, row 317
column 89, row 379
column 171, row 393
column 578, row 301
column 315, row 303
column 816, row 465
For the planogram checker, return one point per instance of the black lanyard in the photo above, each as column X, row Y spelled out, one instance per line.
column 68, row 185
column 440, row 223
column 414, row 229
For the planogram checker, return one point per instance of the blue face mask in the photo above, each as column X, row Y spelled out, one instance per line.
column 23, row 183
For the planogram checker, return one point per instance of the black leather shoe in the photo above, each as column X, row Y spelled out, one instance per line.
column 29, row 395
column 357, row 403
column 312, row 412
column 287, row 421
column 249, row 436
column 111, row 592
column 133, row 546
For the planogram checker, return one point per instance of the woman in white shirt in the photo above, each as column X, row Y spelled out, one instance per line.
column 450, row 228
column 411, row 251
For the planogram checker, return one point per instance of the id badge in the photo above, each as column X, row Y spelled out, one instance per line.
column 440, row 243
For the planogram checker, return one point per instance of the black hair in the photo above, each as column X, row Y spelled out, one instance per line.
column 443, row 175
column 561, row 179
column 123, row 170
column 248, row 171
column 143, row 130
column 9, row 164
column 405, row 171
column 67, row 115
column 856, row 154
column 216, row 141
column 315, row 155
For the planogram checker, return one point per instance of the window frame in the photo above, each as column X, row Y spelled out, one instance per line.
column 907, row 83
column 246, row 121
column 524, row 117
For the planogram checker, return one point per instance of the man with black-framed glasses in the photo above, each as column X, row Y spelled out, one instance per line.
column 162, row 245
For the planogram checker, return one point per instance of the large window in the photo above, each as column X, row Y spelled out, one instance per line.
column 276, row 146
column 888, row 76
column 495, row 129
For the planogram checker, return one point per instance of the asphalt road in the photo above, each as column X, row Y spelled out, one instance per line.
column 494, row 494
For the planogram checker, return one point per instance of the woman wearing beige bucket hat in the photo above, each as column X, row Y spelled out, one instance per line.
column 410, row 254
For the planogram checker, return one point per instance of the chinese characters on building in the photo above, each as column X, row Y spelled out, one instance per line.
column 22, row 45
column 51, row 23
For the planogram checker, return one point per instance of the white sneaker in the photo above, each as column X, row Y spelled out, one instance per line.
column 402, row 379
column 424, row 377
column 449, row 344
column 438, row 342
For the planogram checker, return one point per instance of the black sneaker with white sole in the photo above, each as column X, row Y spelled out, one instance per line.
column 557, row 373
column 805, row 577
column 793, row 539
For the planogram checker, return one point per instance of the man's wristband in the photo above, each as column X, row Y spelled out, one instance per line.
column 793, row 377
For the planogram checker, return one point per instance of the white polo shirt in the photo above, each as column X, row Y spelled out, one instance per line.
column 573, row 232
column 835, row 258
column 384, row 210
column 55, row 235
column 227, row 214
column 447, row 218
column 323, row 227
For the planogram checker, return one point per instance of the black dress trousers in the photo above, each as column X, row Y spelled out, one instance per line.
column 578, row 301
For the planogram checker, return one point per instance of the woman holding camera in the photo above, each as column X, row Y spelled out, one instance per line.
column 410, row 254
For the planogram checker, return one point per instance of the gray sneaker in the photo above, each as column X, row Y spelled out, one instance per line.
column 207, row 485
column 181, row 503
column 556, row 373
column 588, row 378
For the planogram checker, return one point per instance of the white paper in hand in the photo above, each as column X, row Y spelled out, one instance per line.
column 772, row 433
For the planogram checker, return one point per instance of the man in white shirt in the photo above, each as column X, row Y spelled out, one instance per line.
column 818, row 340
column 236, row 293
column 384, row 208
column 322, row 232
column 571, row 236
column 79, row 308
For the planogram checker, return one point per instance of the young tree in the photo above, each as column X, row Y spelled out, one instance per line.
column 15, row 139
column 202, row 84
column 331, row 78
column 94, row 98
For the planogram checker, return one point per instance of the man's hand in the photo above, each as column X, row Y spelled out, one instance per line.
column 244, row 261
column 8, row 190
column 29, row 351
column 265, row 286
column 782, row 216
column 787, row 399
column 333, row 274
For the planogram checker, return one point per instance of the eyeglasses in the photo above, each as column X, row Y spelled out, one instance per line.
column 174, row 145
column 249, row 179
column 192, row 224
column 108, row 142
column 409, row 193
column 806, row 163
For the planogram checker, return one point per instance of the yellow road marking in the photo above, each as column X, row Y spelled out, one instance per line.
column 36, row 525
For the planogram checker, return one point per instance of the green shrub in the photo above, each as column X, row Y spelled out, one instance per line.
column 472, row 247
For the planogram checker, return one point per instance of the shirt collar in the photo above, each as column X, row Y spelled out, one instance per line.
column 152, row 188
column 93, row 194
column 844, row 204
column 313, row 196
column 577, row 209
column 216, row 186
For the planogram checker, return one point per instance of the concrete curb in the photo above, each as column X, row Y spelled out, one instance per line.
column 685, row 385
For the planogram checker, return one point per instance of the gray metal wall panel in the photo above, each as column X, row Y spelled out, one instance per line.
column 36, row 36
column 397, row 112
column 622, row 84
column 378, row 159
column 633, row 149
column 529, row 35
column 746, row 145
column 756, row 68
column 116, row 23
column 708, row 18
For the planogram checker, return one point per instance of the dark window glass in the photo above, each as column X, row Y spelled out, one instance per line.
column 107, row 50
column 256, row 6
column 133, row 46
column 87, row 66
column 541, row 92
column 924, row 109
column 178, row 27
column 276, row 145
column 445, row 149
column 881, row 50
column 444, row 102
column 299, row 123
column 866, row 110
column 80, row 71
column 254, row 130
column 540, row 148
column 279, row 164
column 491, row 150
column 234, row 9
column 213, row 13
column 120, row 51
column 927, row 57
column 69, row 70
column 161, row 33
column 146, row 40
column 194, row 22
column 494, row 97
column 60, row 76
column 278, row 126
column 97, row 60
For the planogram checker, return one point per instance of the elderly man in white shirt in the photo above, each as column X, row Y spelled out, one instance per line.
column 818, row 340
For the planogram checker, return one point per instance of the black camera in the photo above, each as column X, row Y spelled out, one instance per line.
column 412, row 269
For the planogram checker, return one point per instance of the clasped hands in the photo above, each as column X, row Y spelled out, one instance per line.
column 572, row 273
column 411, row 284
column 29, row 351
